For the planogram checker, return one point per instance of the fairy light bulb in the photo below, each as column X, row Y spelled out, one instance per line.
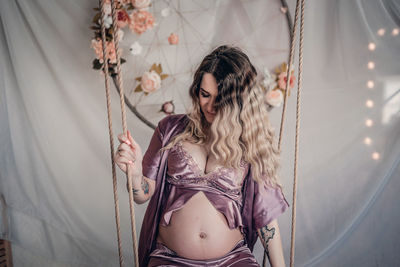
column 371, row 65
column 369, row 103
column 376, row 155
column 371, row 46
column 370, row 84
column 367, row 141
column 369, row 123
column 381, row 31
column 395, row 31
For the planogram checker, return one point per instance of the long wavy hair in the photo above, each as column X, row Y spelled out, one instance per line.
column 241, row 128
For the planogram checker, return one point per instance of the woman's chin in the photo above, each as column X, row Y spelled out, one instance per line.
column 210, row 119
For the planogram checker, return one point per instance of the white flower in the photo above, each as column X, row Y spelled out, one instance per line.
column 274, row 98
column 140, row 4
column 120, row 35
column 150, row 81
column 136, row 48
column 165, row 12
column 107, row 21
column 107, row 9
column 269, row 79
column 269, row 84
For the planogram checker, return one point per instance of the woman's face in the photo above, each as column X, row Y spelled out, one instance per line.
column 207, row 95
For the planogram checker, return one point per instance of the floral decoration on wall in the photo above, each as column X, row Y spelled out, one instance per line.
column 168, row 108
column 274, row 84
column 150, row 81
column 173, row 39
column 132, row 14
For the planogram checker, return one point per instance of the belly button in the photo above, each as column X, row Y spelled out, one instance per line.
column 202, row 235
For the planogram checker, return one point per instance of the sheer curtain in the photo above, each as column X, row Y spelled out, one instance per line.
column 55, row 171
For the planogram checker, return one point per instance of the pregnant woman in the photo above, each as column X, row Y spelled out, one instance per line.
column 211, row 175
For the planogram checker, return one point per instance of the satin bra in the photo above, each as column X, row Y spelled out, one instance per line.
column 222, row 186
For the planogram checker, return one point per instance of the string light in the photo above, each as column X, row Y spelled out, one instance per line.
column 371, row 65
column 381, row 31
column 370, row 84
column 376, row 155
column 371, row 46
column 369, row 123
column 369, row 103
column 395, row 31
column 367, row 141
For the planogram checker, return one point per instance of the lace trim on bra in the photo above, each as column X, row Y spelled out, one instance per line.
column 203, row 178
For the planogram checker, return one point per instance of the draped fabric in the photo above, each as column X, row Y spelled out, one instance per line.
column 56, row 195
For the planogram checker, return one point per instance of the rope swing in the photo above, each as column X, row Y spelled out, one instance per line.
column 124, row 126
column 296, row 154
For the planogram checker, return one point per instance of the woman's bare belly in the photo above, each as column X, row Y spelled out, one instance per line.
column 198, row 231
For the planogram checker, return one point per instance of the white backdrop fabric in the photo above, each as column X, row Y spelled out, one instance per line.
column 55, row 171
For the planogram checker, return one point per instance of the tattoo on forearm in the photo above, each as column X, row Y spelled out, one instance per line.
column 266, row 235
column 145, row 187
column 135, row 191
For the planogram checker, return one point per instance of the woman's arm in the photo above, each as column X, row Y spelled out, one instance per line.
column 271, row 239
column 143, row 188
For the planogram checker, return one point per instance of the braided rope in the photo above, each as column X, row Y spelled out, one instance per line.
column 296, row 155
column 110, row 131
column 291, row 56
column 124, row 126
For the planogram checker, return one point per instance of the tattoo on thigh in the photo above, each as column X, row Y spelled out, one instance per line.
column 267, row 234
column 145, row 187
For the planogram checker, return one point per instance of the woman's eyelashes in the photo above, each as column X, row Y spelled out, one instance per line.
column 204, row 94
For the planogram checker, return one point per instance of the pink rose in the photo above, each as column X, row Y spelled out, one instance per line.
column 282, row 79
column 111, row 54
column 173, row 39
column 139, row 4
column 150, row 81
column 168, row 107
column 274, row 97
column 122, row 18
column 110, row 51
column 98, row 49
column 141, row 21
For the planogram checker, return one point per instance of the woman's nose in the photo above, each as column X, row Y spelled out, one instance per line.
column 211, row 106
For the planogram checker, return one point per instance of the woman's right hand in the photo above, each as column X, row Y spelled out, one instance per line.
column 129, row 153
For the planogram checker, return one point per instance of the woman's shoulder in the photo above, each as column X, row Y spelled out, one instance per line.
column 172, row 120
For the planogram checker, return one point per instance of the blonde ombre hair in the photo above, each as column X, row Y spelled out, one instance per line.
column 241, row 128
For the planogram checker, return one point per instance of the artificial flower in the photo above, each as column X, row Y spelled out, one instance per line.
column 173, row 39
column 168, row 108
column 110, row 51
column 136, row 48
column 122, row 18
column 107, row 21
column 274, row 97
column 141, row 20
column 150, row 81
column 107, row 8
column 140, row 4
column 120, row 35
column 282, row 79
column 98, row 49
column 269, row 80
column 165, row 12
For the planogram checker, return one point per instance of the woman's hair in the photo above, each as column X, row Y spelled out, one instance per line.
column 241, row 128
